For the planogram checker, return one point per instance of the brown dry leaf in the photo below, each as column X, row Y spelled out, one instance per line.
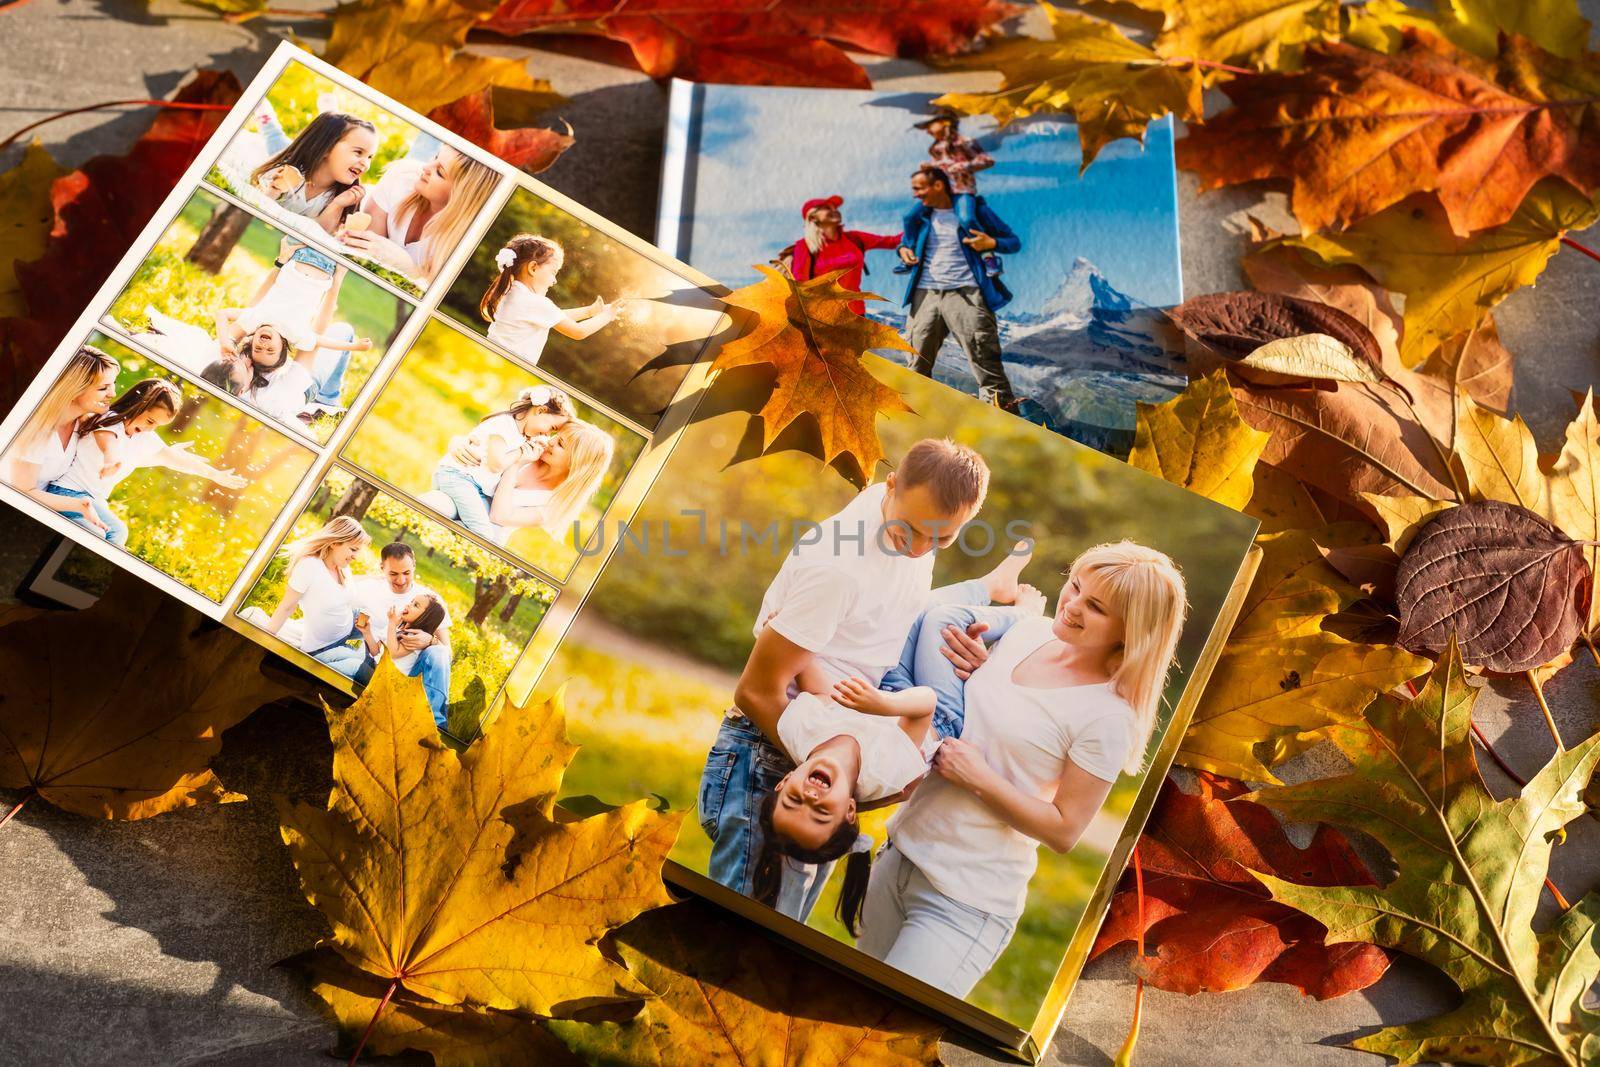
column 807, row 331
column 1197, row 440
column 413, row 51
column 1283, row 679
column 1111, row 85
column 134, row 736
column 1234, row 327
column 1281, row 502
column 1574, row 494
column 447, row 876
column 1504, row 583
column 1450, row 282
column 1358, row 131
column 728, row 995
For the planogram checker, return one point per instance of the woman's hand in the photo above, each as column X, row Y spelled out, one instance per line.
column 961, row 763
column 463, row 453
column 229, row 480
column 965, row 648
column 380, row 250
column 226, row 346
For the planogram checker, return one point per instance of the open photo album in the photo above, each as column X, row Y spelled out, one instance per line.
column 361, row 391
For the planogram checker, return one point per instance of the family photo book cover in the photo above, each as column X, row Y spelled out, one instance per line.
column 1045, row 298
column 361, row 391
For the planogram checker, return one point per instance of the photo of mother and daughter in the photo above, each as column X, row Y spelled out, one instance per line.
column 996, row 725
column 84, row 439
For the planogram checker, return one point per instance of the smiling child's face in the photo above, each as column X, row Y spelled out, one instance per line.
column 348, row 160
column 812, row 801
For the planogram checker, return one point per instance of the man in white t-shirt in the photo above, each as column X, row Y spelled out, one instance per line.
column 841, row 604
column 393, row 587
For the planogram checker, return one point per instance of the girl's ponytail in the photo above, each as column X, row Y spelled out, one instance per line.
column 523, row 250
column 857, row 870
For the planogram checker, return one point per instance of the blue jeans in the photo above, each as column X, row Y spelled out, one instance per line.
column 742, row 767
column 922, row 664
column 314, row 258
column 911, row 926
column 346, row 659
column 116, row 530
column 472, row 504
column 329, row 366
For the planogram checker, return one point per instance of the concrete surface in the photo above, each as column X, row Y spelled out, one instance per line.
column 153, row 942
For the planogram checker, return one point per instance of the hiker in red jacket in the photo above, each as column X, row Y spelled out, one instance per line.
column 828, row 246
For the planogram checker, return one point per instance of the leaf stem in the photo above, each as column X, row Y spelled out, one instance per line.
column 27, row 795
column 1570, row 243
column 394, row 984
column 1588, row 640
column 1125, row 1054
column 1209, row 64
column 175, row 105
column 1549, row 719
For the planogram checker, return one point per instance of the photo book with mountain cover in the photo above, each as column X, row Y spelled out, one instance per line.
column 1037, row 284
column 362, row 392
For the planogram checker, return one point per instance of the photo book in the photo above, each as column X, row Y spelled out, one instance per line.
column 361, row 391
column 1053, row 307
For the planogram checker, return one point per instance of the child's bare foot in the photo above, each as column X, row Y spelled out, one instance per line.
column 1001, row 582
column 1030, row 600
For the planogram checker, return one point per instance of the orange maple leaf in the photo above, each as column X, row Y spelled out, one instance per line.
column 1357, row 130
column 807, row 331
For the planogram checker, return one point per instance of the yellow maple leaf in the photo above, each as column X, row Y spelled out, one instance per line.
column 1450, row 282
column 756, row 1004
column 26, row 215
column 1282, row 679
column 412, row 50
column 809, row 334
column 1197, row 440
column 1574, row 498
column 1265, row 34
column 1476, row 25
column 132, row 737
column 448, row 877
column 1112, row 85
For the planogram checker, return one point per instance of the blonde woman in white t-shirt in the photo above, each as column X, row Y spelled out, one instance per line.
column 1053, row 714
column 318, row 586
column 47, row 443
column 517, row 306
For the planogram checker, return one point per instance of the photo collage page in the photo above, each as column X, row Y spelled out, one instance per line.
column 364, row 391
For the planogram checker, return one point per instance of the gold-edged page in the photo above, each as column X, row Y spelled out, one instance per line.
column 730, row 545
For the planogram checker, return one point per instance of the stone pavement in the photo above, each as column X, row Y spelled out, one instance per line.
column 153, row 942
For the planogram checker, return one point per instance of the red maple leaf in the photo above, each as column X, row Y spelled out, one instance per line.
column 762, row 42
column 99, row 210
column 532, row 148
column 1212, row 925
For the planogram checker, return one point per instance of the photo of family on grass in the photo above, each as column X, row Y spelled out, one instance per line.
column 1012, row 275
column 560, row 293
column 362, row 576
column 950, row 679
column 259, row 315
column 141, row 459
column 495, row 448
column 325, row 161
